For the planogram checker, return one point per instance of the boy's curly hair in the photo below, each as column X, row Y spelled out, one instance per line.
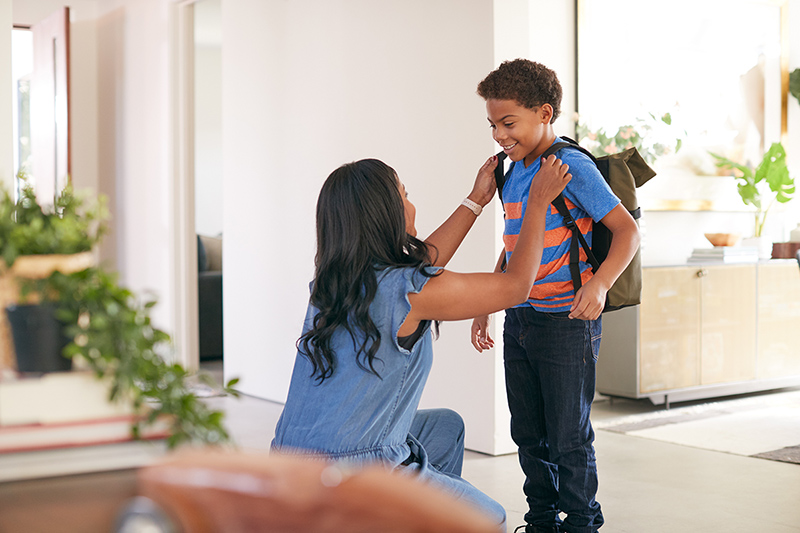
column 528, row 83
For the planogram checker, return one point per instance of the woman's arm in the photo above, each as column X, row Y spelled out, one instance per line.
column 449, row 236
column 479, row 334
column 591, row 297
column 454, row 296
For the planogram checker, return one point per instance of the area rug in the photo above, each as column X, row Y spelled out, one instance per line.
column 766, row 426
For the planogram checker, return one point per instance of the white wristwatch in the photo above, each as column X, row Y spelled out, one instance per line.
column 472, row 206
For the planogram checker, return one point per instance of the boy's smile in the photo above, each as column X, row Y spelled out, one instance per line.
column 523, row 133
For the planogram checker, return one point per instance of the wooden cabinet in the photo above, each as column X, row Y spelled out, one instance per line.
column 727, row 323
column 669, row 333
column 703, row 331
column 778, row 320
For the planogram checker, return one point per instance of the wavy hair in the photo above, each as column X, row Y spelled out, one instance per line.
column 361, row 229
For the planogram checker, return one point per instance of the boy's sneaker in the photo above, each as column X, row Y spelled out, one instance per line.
column 530, row 528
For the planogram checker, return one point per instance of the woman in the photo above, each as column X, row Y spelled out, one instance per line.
column 366, row 352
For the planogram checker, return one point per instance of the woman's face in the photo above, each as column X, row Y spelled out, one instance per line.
column 410, row 210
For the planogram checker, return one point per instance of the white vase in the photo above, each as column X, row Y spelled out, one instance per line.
column 794, row 235
column 763, row 244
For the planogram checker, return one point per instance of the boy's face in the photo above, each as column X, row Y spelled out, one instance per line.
column 523, row 133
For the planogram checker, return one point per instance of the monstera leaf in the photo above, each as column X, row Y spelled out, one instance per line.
column 772, row 171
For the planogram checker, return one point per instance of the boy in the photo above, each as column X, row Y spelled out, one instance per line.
column 551, row 341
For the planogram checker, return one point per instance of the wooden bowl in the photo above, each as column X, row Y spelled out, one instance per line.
column 722, row 239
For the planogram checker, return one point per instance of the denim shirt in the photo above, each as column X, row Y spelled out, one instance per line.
column 355, row 415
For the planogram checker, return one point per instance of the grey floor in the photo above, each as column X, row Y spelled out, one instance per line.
column 646, row 486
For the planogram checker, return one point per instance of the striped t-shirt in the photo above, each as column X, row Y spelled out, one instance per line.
column 588, row 198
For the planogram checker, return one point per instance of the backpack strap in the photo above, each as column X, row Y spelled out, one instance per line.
column 500, row 175
column 577, row 236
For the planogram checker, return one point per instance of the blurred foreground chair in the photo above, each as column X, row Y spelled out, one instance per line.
column 237, row 492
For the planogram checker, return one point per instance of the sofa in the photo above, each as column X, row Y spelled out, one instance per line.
column 209, row 291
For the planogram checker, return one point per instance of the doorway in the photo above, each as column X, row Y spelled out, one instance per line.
column 198, row 192
column 208, row 178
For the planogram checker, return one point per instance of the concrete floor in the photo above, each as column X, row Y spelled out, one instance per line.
column 646, row 486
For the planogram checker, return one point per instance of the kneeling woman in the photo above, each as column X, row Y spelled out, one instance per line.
column 366, row 351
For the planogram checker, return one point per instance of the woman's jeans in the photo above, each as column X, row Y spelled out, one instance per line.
column 437, row 446
column 550, row 378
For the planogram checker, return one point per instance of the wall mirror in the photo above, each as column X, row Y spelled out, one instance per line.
column 719, row 68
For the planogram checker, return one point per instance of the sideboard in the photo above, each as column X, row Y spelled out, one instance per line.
column 705, row 330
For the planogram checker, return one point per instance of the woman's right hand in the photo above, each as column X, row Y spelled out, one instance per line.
column 549, row 181
column 484, row 188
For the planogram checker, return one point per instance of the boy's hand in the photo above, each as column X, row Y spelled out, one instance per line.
column 480, row 333
column 485, row 186
column 549, row 181
column 589, row 301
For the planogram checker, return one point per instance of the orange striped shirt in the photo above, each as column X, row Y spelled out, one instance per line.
column 588, row 198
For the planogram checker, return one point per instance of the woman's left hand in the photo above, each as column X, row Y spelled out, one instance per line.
column 485, row 186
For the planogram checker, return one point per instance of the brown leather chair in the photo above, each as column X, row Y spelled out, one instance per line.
column 238, row 492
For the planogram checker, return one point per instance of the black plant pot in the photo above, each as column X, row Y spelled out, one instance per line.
column 39, row 339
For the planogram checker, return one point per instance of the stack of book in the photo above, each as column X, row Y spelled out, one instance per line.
column 725, row 254
column 63, row 423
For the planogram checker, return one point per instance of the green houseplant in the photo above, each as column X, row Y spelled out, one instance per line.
column 763, row 185
column 794, row 83
column 70, row 226
column 35, row 240
column 647, row 135
column 106, row 325
column 110, row 329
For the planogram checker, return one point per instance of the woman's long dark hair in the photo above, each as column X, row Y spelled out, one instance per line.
column 361, row 229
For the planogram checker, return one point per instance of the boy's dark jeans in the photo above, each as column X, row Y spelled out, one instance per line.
column 550, row 378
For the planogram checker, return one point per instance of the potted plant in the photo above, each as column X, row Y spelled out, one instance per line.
column 109, row 328
column 35, row 241
column 762, row 186
column 106, row 326
column 651, row 136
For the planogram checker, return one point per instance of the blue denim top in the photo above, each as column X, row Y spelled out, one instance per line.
column 354, row 415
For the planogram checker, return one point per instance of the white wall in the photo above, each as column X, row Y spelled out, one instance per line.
column 135, row 144
column 208, row 117
column 6, row 136
column 327, row 83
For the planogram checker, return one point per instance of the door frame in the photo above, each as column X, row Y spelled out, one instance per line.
column 184, row 237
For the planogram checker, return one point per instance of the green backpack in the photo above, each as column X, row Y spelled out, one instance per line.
column 624, row 172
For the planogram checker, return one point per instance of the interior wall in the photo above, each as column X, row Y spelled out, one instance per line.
column 208, row 117
column 519, row 32
column 135, row 145
column 328, row 82
column 6, row 131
